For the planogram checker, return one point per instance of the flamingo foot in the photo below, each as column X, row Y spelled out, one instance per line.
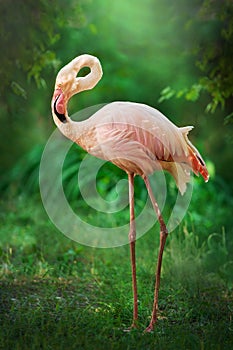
column 150, row 328
column 134, row 325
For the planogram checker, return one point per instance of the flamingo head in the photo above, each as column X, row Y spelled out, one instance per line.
column 68, row 84
column 65, row 87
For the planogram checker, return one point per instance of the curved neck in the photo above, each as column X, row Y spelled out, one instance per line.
column 68, row 84
column 91, row 79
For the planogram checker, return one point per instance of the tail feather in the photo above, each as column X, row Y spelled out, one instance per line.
column 197, row 163
column 180, row 172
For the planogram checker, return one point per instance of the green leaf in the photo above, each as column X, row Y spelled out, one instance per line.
column 18, row 90
column 166, row 94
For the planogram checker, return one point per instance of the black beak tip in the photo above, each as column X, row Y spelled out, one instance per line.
column 60, row 116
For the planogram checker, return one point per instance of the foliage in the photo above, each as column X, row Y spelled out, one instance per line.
column 24, row 176
column 29, row 34
column 212, row 48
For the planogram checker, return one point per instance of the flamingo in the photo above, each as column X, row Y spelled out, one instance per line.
column 135, row 137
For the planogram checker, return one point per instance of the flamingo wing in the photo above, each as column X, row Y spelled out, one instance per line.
column 121, row 147
column 140, row 139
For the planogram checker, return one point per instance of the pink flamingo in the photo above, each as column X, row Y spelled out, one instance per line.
column 135, row 137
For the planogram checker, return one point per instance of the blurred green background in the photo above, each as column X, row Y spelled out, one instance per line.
column 175, row 56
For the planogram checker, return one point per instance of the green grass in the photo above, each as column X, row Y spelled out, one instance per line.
column 57, row 294
column 70, row 315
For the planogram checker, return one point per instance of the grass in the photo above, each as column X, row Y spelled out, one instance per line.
column 55, row 315
column 57, row 294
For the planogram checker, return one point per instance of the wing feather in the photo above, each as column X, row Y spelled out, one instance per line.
column 140, row 139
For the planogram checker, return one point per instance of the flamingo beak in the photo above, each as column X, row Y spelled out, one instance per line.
column 59, row 104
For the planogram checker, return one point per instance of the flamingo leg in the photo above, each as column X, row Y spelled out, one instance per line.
column 163, row 237
column 132, row 239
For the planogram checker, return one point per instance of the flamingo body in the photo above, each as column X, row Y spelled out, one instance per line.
column 138, row 139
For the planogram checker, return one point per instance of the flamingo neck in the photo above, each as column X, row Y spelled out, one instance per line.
column 90, row 80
